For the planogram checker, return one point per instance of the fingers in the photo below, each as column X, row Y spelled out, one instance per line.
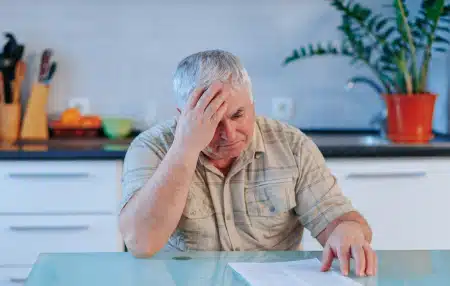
column 371, row 260
column 327, row 258
column 217, row 116
column 208, row 95
column 375, row 263
column 193, row 99
column 216, row 103
column 359, row 255
column 343, row 254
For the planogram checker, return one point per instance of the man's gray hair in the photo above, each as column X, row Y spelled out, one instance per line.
column 201, row 69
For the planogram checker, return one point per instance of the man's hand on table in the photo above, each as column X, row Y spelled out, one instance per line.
column 348, row 241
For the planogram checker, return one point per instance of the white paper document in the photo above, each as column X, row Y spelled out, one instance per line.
column 300, row 273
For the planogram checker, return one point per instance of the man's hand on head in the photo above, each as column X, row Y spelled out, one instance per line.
column 198, row 121
column 348, row 240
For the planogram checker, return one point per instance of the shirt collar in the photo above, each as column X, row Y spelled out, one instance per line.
column 258, row 140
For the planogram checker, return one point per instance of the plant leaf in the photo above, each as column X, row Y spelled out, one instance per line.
column 381, row 24
column 294, row 56
column 440, row 49
column 365, row 80
column 403, row 25
column 440, row 40
column 316, row 50
column 443, row 29
column 431, row 12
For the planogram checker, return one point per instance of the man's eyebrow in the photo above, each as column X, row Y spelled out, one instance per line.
column 240, row 110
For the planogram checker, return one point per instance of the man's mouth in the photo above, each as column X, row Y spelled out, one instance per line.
column 230, row 144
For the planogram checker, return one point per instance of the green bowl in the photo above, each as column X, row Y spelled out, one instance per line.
column 116, row 128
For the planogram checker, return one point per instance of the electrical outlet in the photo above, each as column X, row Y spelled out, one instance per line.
column 82, row 103
column 282, row 108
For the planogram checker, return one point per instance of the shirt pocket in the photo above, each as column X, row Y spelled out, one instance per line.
column 199, row 202
column 197, row 225
column 271, row 197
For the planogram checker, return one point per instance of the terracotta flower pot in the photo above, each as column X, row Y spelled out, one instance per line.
column 410, row 117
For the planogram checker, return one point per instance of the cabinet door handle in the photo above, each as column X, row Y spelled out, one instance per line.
column 26, row 228
column 386, row 175
column 17, row 280
column 33, row 175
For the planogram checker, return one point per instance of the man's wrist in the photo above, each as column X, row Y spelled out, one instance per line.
column 350, row 217
column 183, row 153
column 361, row 226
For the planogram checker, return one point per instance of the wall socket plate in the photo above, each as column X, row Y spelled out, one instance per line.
column 282, row 108
column 82, row 103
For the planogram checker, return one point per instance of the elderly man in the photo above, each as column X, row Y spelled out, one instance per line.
column 217, row 177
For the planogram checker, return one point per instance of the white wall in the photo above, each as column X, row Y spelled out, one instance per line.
column 121, row 54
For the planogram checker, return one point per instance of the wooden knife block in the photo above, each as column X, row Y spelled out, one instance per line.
column 10, row 115
column 35, row 120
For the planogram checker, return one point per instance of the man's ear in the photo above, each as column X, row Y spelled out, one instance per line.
column 178, row 115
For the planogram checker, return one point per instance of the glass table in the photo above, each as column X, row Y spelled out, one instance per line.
column 211, row 268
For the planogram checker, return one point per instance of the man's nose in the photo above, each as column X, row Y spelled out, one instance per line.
column 228, row 131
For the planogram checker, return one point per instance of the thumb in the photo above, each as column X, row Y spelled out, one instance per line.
column 327, row 258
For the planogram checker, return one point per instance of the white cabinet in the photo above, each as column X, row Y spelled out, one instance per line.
column 56, row 206
column 22, row 238
column 405, row 200
column 58, row 187
column 13, row 276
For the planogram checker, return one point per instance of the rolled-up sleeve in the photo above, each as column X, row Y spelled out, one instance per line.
column 141, row 161
column 318, row 195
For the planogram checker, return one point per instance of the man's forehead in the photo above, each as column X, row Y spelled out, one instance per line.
column 237, row 93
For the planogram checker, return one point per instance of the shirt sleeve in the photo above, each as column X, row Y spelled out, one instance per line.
column 318, row 196
column 140, row 163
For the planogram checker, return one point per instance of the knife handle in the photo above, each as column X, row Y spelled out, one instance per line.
column 8, row 92
column 2, row 91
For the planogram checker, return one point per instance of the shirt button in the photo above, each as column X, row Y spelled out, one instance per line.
column 228, row 217
column 237, row 249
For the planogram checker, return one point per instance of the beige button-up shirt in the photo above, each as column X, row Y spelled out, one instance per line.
column 279, row 185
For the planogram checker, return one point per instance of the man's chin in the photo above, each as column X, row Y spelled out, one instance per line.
column 230, row 153
column 224, row 154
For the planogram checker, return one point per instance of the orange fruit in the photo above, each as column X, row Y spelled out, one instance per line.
column 91, row 121
column 70, row 116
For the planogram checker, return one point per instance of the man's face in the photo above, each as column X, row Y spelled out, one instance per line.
column 235, row 131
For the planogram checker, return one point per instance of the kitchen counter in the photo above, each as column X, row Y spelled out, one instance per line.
column 337, row 145
column 65, row 149
column 333, row 144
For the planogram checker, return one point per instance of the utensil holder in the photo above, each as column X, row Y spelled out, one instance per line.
column 35, row 121
column 10, row 115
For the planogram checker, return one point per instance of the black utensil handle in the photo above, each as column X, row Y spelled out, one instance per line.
column 8, row 92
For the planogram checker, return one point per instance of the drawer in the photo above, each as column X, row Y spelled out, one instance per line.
column 59, row 187
column 404, row 197
column 23, row 238
column 13, row 276
column 395, row 166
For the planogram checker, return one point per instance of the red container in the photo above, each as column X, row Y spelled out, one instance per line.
column 410, row 117
column 61, row 131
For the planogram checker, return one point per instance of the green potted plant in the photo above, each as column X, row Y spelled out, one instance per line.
column 397, row 49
